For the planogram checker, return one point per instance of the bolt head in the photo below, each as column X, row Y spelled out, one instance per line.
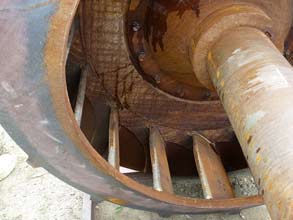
column 180, row 92
column 136, row 26
column 141, row 56
column 157, row 79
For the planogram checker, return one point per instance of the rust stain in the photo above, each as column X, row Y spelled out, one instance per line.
column 54, row 57
column 222, row 83
column 258, row 159
column 249, row 139
column 159, row 11
column 117, row 201
column 270, row 186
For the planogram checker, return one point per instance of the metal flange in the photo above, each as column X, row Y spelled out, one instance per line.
column 140, row 48
column 215, row 25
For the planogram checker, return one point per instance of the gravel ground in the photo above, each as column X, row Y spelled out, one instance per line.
column 34, row 194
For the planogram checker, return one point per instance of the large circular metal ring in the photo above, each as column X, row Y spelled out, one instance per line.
column 36, row 112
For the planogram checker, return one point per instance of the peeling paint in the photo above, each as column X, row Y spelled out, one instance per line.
column 258, row 159
column 269, row 77
column 241, row 59
column 236, row 51
column 251, row 120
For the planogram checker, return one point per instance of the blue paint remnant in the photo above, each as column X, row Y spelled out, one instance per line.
column 21, row 5
column 251, row 120
column 37, row 21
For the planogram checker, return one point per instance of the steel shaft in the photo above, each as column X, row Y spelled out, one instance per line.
column 255, row 84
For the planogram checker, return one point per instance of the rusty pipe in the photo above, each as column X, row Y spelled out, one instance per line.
column 255, row 84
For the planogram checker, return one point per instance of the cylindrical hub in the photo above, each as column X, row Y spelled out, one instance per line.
column 255, row 84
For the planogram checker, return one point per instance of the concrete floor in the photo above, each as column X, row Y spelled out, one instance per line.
column 34, row 194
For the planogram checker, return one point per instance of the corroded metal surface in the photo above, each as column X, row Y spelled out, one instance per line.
column 36, row 112
column 257, row 95
column 114, row 147
column 172, row 25
column 216, row 24
column 115, row 77
column 161, row 172
column 35, row 109
column 115, row 80
column 146, row 26
column 214, row 178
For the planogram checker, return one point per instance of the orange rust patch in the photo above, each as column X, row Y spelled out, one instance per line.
column 133, row 5
column 270, row 186
column 222, row 83
column 117, row 201
column 258, row 159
